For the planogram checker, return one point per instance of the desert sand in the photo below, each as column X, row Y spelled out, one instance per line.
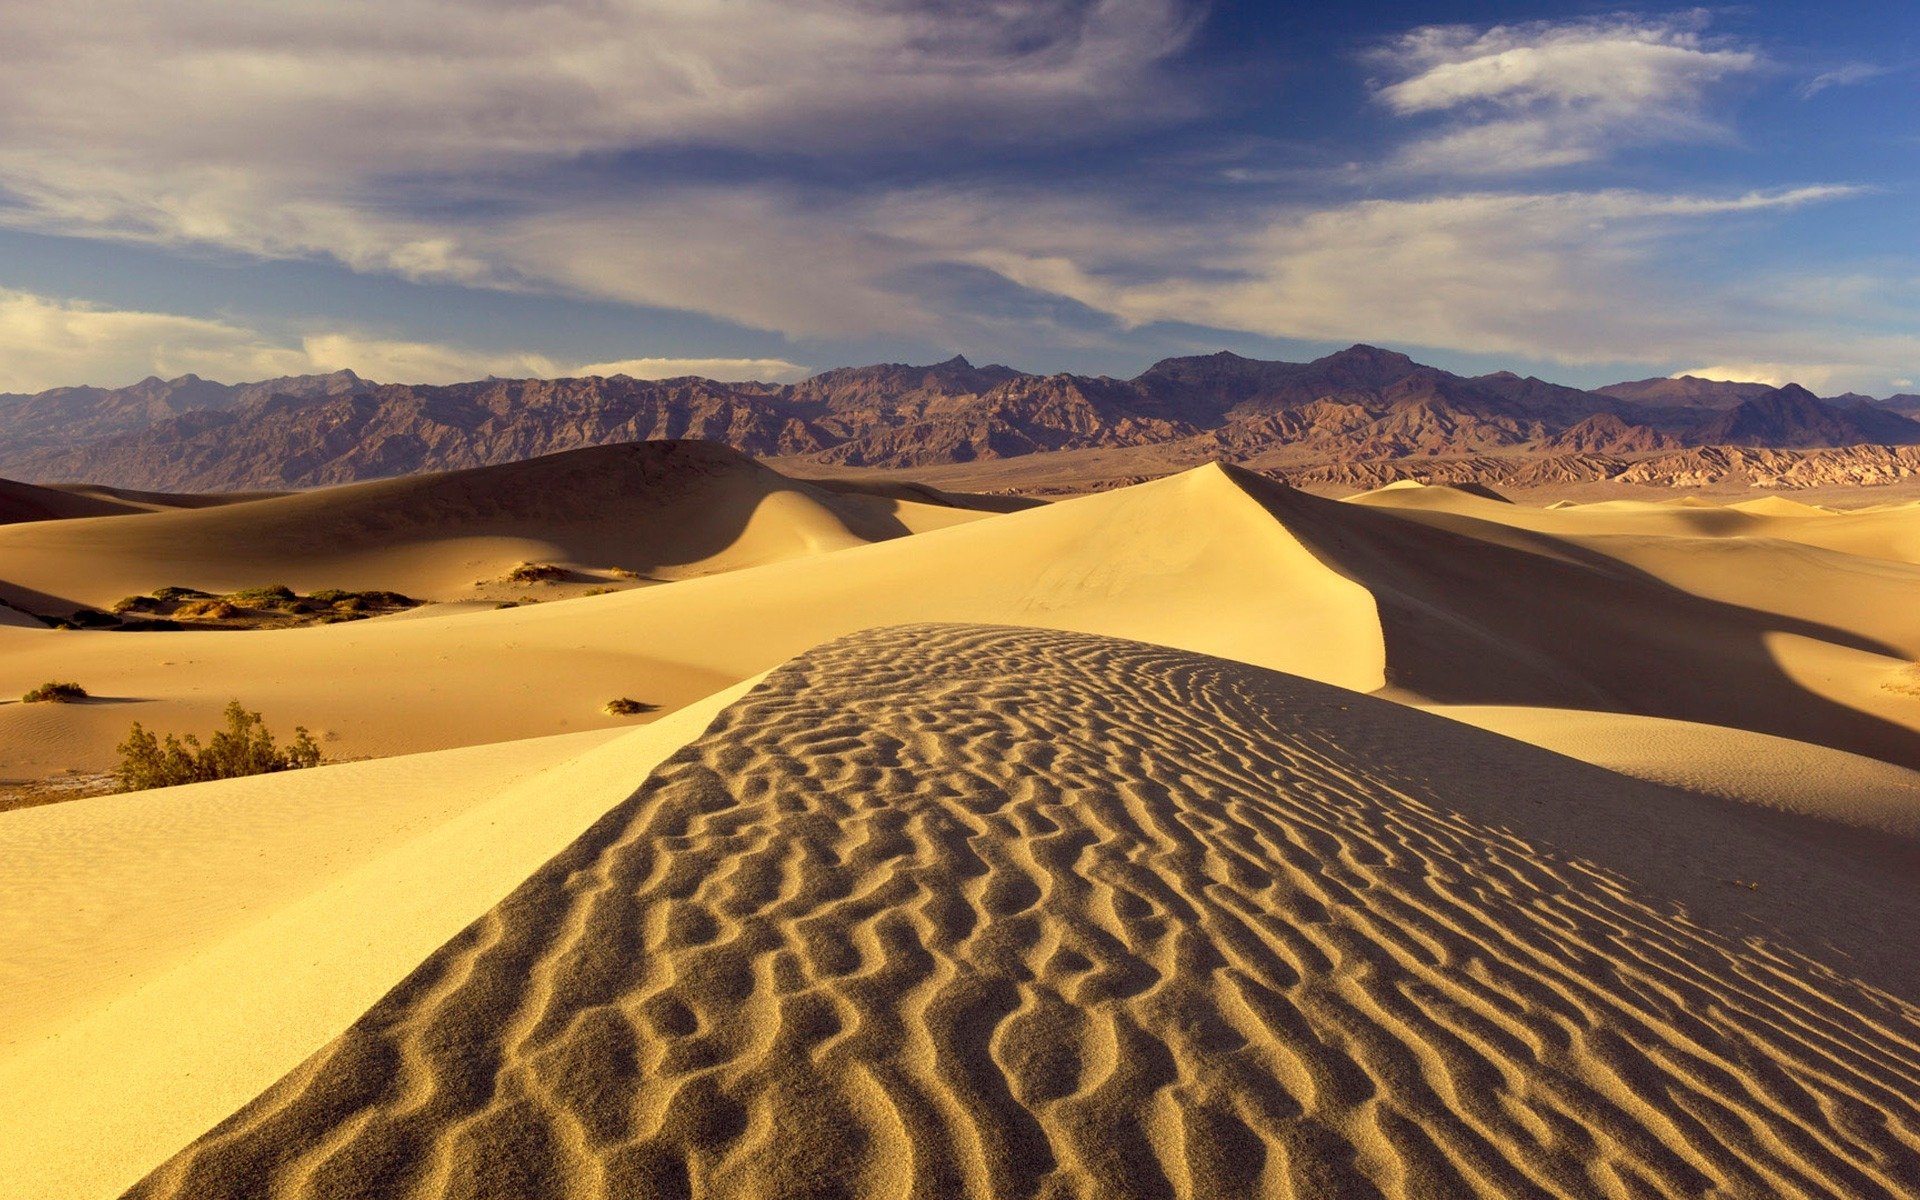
column 1199, row 838
column 972, row 911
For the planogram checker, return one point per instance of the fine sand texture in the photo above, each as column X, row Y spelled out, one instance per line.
column 965, row 911
column 166, row 955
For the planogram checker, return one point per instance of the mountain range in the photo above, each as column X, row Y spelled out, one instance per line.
column 1360, row 405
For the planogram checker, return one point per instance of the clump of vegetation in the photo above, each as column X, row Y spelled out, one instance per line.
column 627, row 707
column 533, row 572
column 271, row 596
column 624, row 573
column 275, row 605
column 206, row 610
column 55, row 693
column 244, row 747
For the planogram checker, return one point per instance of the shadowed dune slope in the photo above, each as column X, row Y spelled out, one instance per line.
column 1478, row 612
column 661, row 508
column 1877, row 800
column 946, row 911
column 30, row 502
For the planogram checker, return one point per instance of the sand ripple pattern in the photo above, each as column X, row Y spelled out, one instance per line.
column 961, row 911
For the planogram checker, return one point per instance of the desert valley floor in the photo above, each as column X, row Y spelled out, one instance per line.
column 1198, row 838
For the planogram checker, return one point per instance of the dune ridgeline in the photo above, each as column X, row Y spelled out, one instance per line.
column 1199, row 838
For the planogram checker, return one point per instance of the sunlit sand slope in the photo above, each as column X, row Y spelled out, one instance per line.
column 946, row 911
column 168, row 954
column 1190, row 561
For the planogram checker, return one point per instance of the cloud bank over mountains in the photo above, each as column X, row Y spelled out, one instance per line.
column 860, row 170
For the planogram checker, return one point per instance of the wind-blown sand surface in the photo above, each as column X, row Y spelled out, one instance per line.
column 1114, row 885
column 166, row 955
column 956, row 911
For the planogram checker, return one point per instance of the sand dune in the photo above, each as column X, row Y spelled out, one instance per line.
column 969, row 912
column 31, row 502
column 1436, row 606
column 663, row 509
column 1884, row 531
column 1190, row 561
column 1480, row 607
column 1876, row 799
column 166, row 955
column 66, row 501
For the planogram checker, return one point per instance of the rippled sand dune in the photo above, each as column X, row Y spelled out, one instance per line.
column 973, row 911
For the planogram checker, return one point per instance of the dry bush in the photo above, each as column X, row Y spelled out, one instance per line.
column 533, row 572
column 55, row 693
column 244, row 747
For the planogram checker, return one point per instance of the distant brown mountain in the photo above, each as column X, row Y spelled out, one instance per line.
column 1686, row 391
column 68, row 415
column 1361, row 404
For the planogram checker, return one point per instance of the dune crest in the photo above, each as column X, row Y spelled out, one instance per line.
column 961, row 911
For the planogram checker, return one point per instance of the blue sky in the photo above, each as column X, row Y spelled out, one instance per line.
column 429, row 190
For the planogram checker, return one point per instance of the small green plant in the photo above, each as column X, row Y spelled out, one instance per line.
column 55, row 693
column 244, row 747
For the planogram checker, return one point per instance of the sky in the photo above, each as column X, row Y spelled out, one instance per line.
column 433, row 190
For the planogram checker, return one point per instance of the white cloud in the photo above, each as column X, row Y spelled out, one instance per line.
column 310, row 128
column 48, row 342
column 1815, row 377
column 1845, row 75
column 316, row 90
column 1546, row 94
column 727, row 370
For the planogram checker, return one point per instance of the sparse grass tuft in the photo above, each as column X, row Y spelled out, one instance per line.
column 244, row 747
column 627, row 707
column 55, row 693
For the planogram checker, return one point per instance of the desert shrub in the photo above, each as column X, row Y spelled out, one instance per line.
column 244, row 747
column 88, row 618
column 272, row 593
column 626, row 707
column 55, row 693
column 180, row 593
column 532, row 572
column 208, row 609
column 624, row 573
column 144, row 604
